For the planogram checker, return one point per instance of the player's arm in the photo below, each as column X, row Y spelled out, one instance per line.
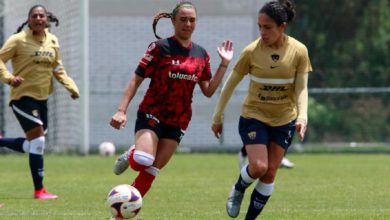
column 62, row 77
column 302, row 97
column 225, row 51
column 6, row 53
column 227, row 91
column 119, row 119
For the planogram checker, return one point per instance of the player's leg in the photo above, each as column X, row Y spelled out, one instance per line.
column 254, row 135
column 256, row 167
column 265, row 185
column 166, row 148
column 170, row 137
column 32, row 116
column 280, row 140
column 147, row 133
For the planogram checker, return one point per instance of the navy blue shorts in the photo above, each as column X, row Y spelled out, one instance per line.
column 162, row 130
column 253, row 131
column 30, row 113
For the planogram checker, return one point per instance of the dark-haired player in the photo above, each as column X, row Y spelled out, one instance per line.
column 35, row 57
column 275, row 107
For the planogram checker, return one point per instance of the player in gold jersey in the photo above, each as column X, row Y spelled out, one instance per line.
column 275, row 107
column 35, row 57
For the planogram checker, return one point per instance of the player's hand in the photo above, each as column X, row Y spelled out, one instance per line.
column 217, row 129
column 16, row 81
column 300, row 127
column 118, row 120
column 225, row 51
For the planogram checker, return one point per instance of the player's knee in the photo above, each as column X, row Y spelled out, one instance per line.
column 258, row 169
column 37, row 145
column 140, row 160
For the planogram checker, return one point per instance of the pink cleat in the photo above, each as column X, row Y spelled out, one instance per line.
column 43, row 194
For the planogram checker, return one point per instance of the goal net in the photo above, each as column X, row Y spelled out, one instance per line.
column 66, row 126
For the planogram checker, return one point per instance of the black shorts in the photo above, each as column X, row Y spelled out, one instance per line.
column 253, row 131
column 30, row 113
column 162, row 130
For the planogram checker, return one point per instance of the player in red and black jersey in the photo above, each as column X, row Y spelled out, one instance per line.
column 174, row 65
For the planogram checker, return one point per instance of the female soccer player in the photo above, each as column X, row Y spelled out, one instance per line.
column 276, row 104
column 35, row 57
column 174, row 65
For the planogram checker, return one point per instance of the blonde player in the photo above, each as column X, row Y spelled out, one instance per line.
column 35, row 57
column 276, row 104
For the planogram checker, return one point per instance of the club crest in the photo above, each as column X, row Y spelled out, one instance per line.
column 252, row 135
column 275, row 57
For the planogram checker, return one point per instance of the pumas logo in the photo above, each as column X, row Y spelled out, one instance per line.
column 275, row 57
column 35, row 113
column 252, row 135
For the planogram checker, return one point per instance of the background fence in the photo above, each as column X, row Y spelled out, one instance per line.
column 118, row 35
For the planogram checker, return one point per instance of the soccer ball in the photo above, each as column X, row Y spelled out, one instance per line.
column 124, row 201
column 106, row 149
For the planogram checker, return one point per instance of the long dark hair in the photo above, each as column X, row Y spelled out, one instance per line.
column 50, row 18
column 186, row 4
column 280, row 11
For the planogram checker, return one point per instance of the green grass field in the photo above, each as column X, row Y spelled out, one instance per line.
column 195, row 186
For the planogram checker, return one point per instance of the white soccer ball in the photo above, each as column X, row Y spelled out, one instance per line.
column 124, row 201
column 106, row 149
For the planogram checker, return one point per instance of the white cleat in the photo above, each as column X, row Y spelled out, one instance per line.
column 233, row 203
column 286, row 163
column 122, row 162
column 242, row 160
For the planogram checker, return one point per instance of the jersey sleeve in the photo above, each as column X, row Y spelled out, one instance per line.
column 206, row 73
column 149, row 62
column 6, row 53
column 243, row 65
column 227, row 91
column 304, row 65
column 62, row 77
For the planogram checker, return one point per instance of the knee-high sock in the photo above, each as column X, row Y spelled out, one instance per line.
column 244, row 180
column 37, row 146
column 259, row 198
column 143, row 182
column 16, row 144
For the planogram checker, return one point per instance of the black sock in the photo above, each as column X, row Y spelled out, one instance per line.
column 256, row 205
column 36, row 167
column 15, row 144
column 241, row 185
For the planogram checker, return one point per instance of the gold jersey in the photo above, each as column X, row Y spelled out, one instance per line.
column 271, row 95
column 36, row 61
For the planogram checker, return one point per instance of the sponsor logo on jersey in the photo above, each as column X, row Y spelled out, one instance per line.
column 252, row 135
column 274, row 88
column 273, row 67
column 183, row 76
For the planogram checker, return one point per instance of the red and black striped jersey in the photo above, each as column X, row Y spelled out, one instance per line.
column 174, row 71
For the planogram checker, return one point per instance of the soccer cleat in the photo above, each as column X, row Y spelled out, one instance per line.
column 122, row 163
column 115, row 218
column 286, row 163
column 43, row 194
column 242, row 160
column 233, row 203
